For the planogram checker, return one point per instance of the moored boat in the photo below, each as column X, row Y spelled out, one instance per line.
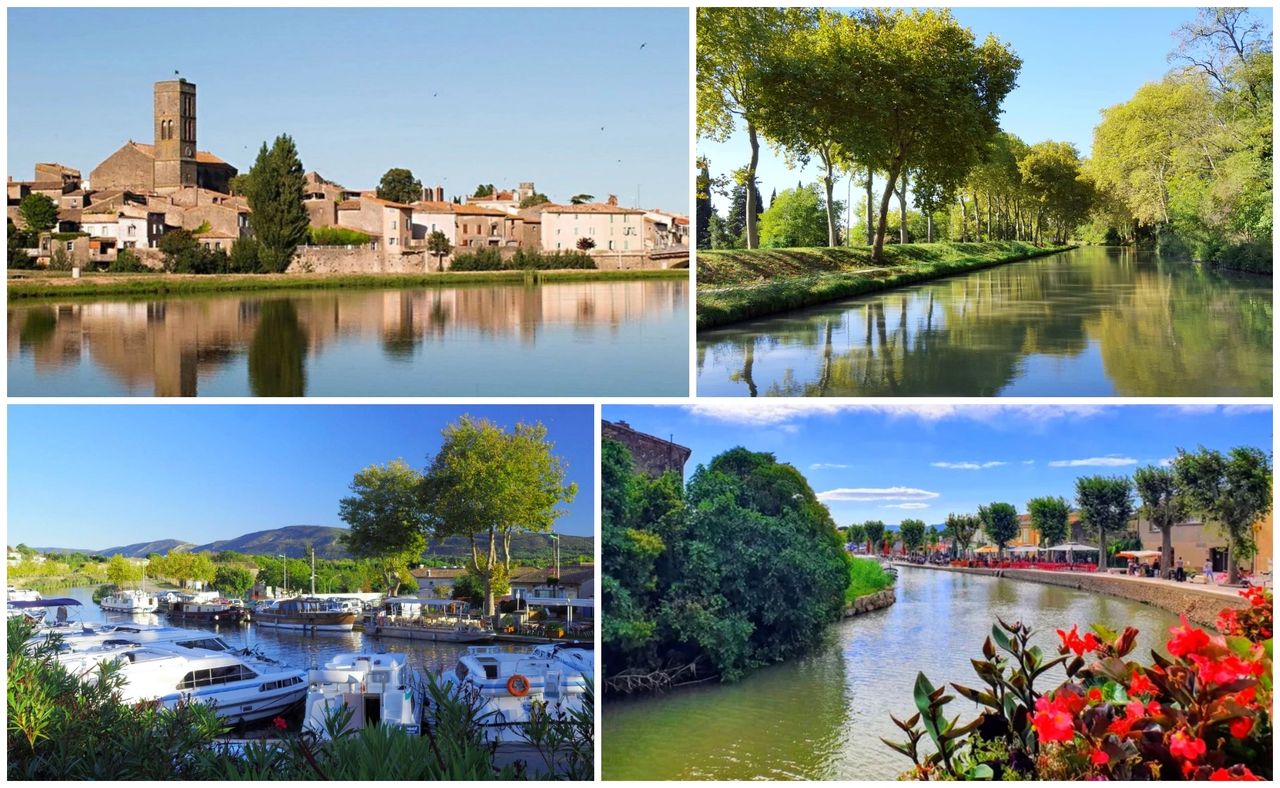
column 218, row 611
column 376, row 688
column 307, row 614
column 130, row 601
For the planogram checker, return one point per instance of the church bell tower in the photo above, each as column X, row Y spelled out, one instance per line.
column 175, row 147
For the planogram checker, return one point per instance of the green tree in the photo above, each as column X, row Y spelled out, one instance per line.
column 439, row 246
column 537, row 198
column 387, row 522
column 734, row 48
column 1050, row 515
column 1162, row 504
column 1105, row 503
column 932, row 537
column 19, row 241
column 39, row 213
column 233, row 581
column 735, row 227
column 244, row 257
column 586, row 244
column 485, row 190
column 1232, row 490
column 486, row 484
column 874, row 529
column 275, row 194
column 399, row 185
column 183, row 254
column 999, row 523
column 704, row 209
column 121, row 570
column 912, row 533
column 856, row 533
column 581, row 199
column 202, row 569
column 796, row 217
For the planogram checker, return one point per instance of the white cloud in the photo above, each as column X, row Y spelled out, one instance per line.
column 905, row 506
column 1110, row 461
column 876, row 494
column 1244, row 410
column 824, row 466
column 968, row 466
column 1028, row 462
column 1166, row 462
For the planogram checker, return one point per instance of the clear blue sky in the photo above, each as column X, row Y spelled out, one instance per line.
column 460, row 96
column 1075, row 63
column 98, row 476
column 890, row 462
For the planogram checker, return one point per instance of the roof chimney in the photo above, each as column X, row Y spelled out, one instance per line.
column 613, row 199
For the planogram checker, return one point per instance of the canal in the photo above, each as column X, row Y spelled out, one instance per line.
column 1093, row 321
column 559, row 339
column 821, row 717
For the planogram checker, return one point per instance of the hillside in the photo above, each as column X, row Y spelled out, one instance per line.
column 294, row 540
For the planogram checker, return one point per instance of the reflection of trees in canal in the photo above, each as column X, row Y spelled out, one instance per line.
column 1158, row 326
column 277, row 352
column 167, row 347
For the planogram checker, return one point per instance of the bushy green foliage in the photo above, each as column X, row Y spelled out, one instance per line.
column 127, row 262
column 1253, row 257
column 337, row 236
column 399, row 185
column 796, row 217
column 233, row 581
column 18, row 242
column 275, row 193
column 489, row 259
column 38, row 212
column 746, row 568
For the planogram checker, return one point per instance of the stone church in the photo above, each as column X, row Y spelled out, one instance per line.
column 172, row 162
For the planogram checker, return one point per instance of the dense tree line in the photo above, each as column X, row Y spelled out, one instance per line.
column 742, row 568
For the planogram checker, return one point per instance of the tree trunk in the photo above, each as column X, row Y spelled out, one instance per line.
column 928, row 223
column 877, row 251
column 1166, row 551
column 1233, row 571
column 902, row 208
column 988, row 216
column 1102, row 550
column 964, row 219
column 753, row 233
column 829, row 182
column 871, row 237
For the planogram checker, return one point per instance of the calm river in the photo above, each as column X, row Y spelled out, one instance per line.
column 1088, row 322
column 822, row 717
column 562, row 339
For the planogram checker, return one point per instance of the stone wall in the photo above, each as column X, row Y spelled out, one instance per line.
column 870, row 602
column 652, row 455
column 127, row 168
column 355, row 260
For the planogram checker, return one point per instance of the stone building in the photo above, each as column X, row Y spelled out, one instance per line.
column 611, row 227
column 1195, row 541
column 653, row 455
column 173, row 161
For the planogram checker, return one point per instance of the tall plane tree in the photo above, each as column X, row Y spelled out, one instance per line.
column 387, row 522
column 1106, row 504
column 1233, row 490
column 1162, row 505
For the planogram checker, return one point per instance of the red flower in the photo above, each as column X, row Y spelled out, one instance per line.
column 1095, row 695
column 1187, row 747
column 1052, row 721
column 1186, row 639
column 1098, row 757
column 1227, row 622
column 1140, row 685
column 280, row 723
column 1224, row 670
column 1238, row 772
column 1071, row 641
column 1241, row 726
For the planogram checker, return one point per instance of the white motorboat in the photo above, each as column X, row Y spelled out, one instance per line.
column 130, row 601
column 377, row 688
column 509, row 683
column 22, row 595
column 309, row 614
column 239, row 688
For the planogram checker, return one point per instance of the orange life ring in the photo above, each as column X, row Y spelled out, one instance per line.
column 518, row 686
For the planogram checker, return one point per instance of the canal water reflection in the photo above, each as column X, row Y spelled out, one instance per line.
column 1089, row 322
column 821, row 717
column 562, row 339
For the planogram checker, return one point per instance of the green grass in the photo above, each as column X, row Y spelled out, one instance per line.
column 95, row 285
column 866, row 576
column 736, row 285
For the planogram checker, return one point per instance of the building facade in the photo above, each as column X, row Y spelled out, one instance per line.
column 652, row 455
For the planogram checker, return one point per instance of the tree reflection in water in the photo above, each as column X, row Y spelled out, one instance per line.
column 277, row 366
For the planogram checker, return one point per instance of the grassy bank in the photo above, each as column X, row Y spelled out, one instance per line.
column 94, row 285
column 741, row 284
column 866, row 576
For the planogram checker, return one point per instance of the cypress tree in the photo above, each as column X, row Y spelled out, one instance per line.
column 704, row 209
column 275, row 191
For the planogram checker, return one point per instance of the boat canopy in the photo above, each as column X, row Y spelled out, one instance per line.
column 413, row 600
column 551, row 601
column 57, row 602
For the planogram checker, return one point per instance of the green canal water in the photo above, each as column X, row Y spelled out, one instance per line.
column 559, row 339
column 1089, row 322
column 821, row 717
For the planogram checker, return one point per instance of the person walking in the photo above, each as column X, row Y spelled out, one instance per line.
column 1180, row 571
column 1208, row 572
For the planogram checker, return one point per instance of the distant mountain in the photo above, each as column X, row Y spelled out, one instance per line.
column 294, row 540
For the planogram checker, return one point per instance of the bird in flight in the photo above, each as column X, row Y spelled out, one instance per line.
column 602, row 128
column 642, row 46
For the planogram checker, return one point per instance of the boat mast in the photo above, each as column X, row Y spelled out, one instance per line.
column 313, row 571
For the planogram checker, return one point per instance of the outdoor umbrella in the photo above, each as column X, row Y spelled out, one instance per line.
column 1073, row 548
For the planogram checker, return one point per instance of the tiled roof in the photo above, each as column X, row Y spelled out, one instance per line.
column 594, row 207
column 349, row 205
column 202, row 156
column 437, row 572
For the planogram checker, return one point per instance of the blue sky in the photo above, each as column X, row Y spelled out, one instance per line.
column 890, row 462
column 98, row 476
column 460, row 96
column 1076, row 62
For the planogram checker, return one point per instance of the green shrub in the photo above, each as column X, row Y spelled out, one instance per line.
column 127, row 262
column 1254, row 257
column 490, row 259
column 337, row 236
column 485, row 259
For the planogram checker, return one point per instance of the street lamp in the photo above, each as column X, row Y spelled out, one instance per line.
column 284, row 561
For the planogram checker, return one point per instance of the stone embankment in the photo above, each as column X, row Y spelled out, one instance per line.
column 865, row 604
column 1201, row 603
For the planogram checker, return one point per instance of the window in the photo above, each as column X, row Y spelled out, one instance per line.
column 611, row 246
column 71, row 246
column 132, row 230
column 391, row 242
column 626, row 245
column 393, row 224
column 210, row 677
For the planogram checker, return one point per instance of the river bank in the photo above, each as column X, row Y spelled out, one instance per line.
column 50, row 285
column 737, row 285
column 1201, row 603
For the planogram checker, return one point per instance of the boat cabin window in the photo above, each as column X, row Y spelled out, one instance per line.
column 275, row 685
column 211, row 644
column 490, row 670
column 214, row 676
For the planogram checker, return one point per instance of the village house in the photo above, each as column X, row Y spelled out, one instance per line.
column 435, row 582
column 504, row 200
column 1195, row 541
column 480, row 226
column 575, row 582
column 391, row 223
column 430, row 216
column 611, row 227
